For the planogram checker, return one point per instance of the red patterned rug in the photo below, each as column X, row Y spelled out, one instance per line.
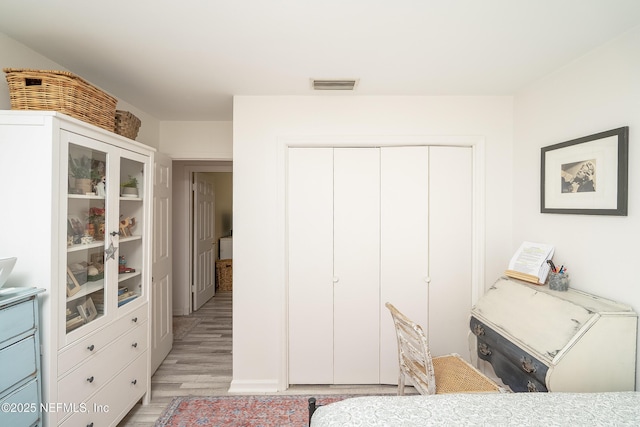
column 245, row 411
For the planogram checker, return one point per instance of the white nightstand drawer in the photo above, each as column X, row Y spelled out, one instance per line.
column 87, row 348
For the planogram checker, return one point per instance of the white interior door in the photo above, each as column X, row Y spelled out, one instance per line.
column 450, row 237
column 203, row 286
column 310, row 247
column 161, row 289
column 356, row 265
column 404, row 245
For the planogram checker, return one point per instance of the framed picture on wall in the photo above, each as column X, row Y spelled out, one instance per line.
column 586, row 176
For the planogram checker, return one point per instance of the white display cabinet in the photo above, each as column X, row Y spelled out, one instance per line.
column 78, row 233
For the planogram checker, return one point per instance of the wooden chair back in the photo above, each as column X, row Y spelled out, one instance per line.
column 413, row 354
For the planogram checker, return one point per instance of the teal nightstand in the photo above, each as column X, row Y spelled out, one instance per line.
column 20, row 381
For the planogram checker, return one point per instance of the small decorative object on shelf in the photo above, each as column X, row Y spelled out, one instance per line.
column 95, row 272
column 126, row 225
column 101, row 187
column 82, row 173
column 87, row 310
column 95, row 223
column 130, row 187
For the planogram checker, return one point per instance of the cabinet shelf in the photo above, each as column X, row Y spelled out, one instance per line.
column 130, row 239
column 126, row 276
column 87, row 289
column 84, row 247
column 86, row 196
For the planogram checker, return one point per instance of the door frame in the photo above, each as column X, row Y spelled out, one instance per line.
column 184, row 282
column 476, row 143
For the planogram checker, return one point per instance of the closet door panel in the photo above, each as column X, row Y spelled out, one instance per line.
column 356, row 265
column 310, row 246
column 450, row 227
column 404, row 245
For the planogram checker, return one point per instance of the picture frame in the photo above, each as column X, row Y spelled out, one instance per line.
column 75, row 228
column 72, row 284
column 586, row 176
column 88, row 310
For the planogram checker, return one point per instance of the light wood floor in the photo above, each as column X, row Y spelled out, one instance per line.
column 200, row 365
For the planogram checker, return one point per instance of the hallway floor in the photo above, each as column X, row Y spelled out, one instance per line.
column 200, row 364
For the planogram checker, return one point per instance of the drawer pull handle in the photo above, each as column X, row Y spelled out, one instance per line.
column 134, row 382
column 484, row 349
column 531, row 387
column 90, row 425
column 134, row 320
column 134, row 345
column 90, row 379
column 91, row 347
column 527, row 365
column 478, row 330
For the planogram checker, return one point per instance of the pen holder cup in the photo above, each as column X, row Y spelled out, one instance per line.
column 558, row 281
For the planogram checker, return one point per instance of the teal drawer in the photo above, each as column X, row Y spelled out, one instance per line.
column 16, row 319
column 22, row 407
column 17, row 363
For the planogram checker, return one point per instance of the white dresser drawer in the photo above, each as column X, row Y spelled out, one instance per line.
column 89, row 377
column 121, row 394
column 88, row 348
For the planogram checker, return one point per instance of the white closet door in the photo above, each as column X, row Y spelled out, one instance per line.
column 356, row 265
column 404, row 245
column 450, row 227
column 310, row 231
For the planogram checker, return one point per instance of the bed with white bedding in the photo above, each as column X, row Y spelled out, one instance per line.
column 503, row 409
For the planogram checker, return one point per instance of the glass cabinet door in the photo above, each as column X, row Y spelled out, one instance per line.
column 131, row 257
column 88, row 176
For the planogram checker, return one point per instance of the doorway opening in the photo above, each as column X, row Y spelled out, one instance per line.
column 199, row 222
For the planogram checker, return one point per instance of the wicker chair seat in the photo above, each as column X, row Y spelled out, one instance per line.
column 438, row 375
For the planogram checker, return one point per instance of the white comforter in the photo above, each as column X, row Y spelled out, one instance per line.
column 501, row 409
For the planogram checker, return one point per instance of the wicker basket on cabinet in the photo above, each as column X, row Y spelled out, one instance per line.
column 60, row 91
column 127, row 124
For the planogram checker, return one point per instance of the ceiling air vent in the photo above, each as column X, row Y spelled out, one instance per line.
column 338, row 84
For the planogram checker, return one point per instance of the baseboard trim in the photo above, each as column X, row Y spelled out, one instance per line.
column 253, row 386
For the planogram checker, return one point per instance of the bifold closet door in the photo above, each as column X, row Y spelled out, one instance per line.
column 404, row 245
column 450, row 242
column 356, row 241
column 367, row 226
column 310, row 232
column 334, row 265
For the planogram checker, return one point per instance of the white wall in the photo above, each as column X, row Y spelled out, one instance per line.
column 259, row 128
column 17, row 55
column 598, row 92
column 197, row 140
